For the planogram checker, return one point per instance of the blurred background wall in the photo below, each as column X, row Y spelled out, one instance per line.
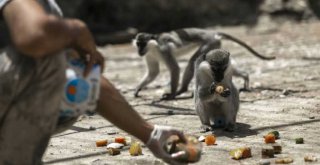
column 128, row 16
column 117, row 21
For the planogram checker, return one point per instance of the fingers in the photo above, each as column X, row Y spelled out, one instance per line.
column 100, row 60
column 94, row 58
column 89, row 66
column 180, row 135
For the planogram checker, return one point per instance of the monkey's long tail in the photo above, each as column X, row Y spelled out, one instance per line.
column 229, row 37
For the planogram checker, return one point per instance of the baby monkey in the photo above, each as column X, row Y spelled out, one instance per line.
column 216, row 97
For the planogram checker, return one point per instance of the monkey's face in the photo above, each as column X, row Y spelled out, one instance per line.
column 219, row 62
column 141, row 42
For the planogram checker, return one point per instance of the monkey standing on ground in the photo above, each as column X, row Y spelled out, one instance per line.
column 167, row 46
column 213, row 69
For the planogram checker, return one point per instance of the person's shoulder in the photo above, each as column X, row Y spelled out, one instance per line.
column 3, row 3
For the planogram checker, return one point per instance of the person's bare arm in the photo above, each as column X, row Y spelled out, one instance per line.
column 113, row 106
column 37, row 34
column 116, row 109
column 34, row 32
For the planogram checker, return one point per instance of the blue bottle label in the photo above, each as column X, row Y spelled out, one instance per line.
column 77, row 91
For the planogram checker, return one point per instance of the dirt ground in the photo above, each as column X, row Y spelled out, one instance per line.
column 285, row 97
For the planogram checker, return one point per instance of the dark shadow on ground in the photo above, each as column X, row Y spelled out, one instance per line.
column 242, row 130
column 168, row 107
column 81, row 129
column 75, row 157
column 287, row 125
column 67, row 159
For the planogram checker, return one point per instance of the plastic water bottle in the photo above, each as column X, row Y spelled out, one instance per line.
column 80, row 93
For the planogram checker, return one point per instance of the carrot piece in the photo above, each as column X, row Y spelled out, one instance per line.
column 121, row 140
column 210, row 140
column 101, row 143
column 270, row 138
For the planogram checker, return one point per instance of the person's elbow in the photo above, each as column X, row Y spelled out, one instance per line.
column 31, row 46
column 33, row 42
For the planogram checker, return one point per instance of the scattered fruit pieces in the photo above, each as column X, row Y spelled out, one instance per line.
column 267, row 152
column 264, row 162
column 128, row 140
column 286, row 160
column 275, row 133
column 115, row 145
column 101, row 143
column 121, row 140
column 277, row 149
column 246, row 152
column 310, row 158
column 241, row 153
column 113, row 151
column 299, row 141
column 201, row 138
column 219, row 89
column 188, row 152
column 135, row 149
column 270, row 138
column 210, row 140
column 192, row 140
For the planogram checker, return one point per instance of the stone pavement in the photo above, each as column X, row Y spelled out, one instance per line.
column 285, row 97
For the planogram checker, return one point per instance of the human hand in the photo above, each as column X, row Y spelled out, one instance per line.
column 84, row 44
column 158, row 140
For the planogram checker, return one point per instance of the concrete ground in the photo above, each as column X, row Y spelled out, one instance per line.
column 285, row 97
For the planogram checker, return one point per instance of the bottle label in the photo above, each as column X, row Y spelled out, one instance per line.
column 77, row 91
column 80, row 93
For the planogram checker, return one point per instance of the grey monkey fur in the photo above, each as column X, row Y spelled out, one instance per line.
column 166, row 47
column 211, row 69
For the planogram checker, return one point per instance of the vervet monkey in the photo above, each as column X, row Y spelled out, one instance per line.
column 169, row 45
column 213, row 69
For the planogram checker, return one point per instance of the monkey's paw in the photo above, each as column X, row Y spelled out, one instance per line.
column 205, row 128
column 244, row 90
column 181, row 91
column 212, row 88
column 168, row 96
column 226, row 93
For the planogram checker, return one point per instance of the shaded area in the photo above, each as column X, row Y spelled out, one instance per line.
column 112, row 21
column 287, row 125
column 118, row 21
column 242, row 130
column 76, row 157
column 80, row 129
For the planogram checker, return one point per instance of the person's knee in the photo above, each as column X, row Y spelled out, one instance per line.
column 52, row 69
